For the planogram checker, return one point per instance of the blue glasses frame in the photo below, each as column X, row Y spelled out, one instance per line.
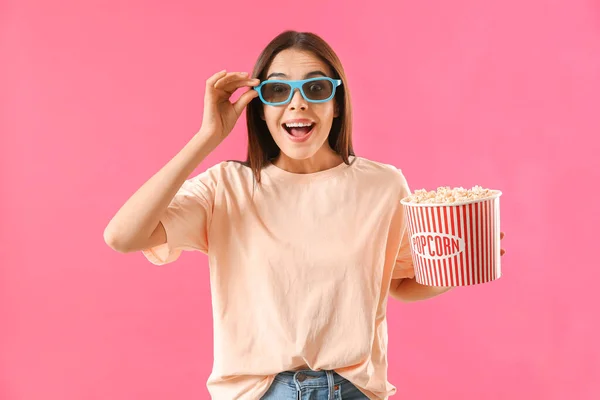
column 298, row 85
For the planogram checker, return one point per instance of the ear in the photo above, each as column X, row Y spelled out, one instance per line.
column 336, row 111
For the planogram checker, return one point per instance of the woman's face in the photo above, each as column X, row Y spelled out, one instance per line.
column 293, row 64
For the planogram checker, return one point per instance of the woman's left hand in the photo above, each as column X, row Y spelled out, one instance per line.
column 502, row 251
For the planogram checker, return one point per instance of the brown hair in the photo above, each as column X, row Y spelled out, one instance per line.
column 261, row 146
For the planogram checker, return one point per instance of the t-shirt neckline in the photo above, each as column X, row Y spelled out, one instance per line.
column 276, row 172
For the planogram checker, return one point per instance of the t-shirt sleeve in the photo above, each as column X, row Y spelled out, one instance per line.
column 404, row 267
column 186, row 220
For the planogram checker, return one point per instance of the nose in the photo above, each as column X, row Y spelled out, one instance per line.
column 297, row 101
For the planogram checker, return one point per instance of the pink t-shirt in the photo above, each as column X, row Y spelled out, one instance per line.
column 300, row 269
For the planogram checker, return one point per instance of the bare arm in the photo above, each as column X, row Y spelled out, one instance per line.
column 136, row 225
column 409, row 290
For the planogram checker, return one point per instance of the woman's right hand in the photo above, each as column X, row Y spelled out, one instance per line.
column 220, row 114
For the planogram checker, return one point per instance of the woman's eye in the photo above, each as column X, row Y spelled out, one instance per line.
column 315, row 87
column 278, row 88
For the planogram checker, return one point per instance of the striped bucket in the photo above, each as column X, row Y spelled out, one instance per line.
column 455, row 244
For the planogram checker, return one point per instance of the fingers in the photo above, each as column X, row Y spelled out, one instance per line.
column 229, row 77
column 235, row 85
column 223, row 78
column 501, row 235
column 231, row 83
column 244, row 100
column 213, row 79
column 502, row 252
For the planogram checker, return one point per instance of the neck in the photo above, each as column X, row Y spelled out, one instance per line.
column 319, row 162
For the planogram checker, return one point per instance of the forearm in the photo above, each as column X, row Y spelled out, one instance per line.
column 139, row 216
column 410, row 290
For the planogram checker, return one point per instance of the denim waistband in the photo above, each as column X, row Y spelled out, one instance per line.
column 309, row 378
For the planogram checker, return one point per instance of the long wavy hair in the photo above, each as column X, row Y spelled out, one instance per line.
column 261, row 146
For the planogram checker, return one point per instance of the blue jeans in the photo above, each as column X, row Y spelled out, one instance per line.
column 307, row 384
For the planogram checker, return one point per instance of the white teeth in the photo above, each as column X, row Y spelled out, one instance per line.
column 298, row 124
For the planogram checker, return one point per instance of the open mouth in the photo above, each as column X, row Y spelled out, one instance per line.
column 299, row 131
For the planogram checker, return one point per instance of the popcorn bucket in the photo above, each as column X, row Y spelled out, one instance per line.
column 455, row 244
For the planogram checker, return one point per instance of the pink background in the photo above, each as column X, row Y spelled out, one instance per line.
column 97, row 96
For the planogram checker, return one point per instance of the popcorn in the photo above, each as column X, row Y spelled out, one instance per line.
column 454, row 235
column 446, row 195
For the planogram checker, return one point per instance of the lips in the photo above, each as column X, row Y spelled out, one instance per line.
column 298, row 131
column 298, row 136
column 299, row 121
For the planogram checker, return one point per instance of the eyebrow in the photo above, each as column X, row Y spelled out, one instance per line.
column 310, row 74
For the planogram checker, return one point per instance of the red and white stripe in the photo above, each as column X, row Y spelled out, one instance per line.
column 476, row 223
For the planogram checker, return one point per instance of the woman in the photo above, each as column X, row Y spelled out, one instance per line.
column 305, row 240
